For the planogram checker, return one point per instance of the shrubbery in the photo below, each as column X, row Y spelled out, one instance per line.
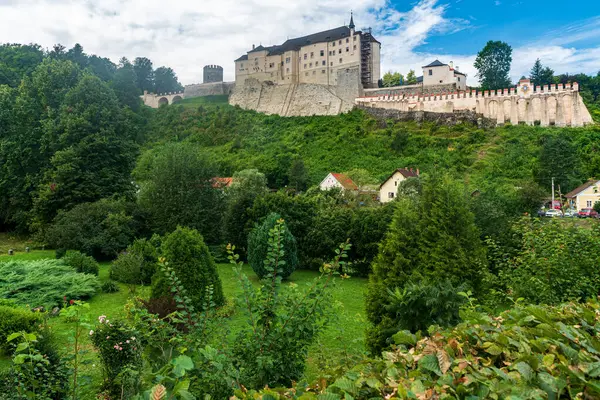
column 15, row 319
column 258, row 247
column 101, row 229
column 137, row 264
column 81, row 262
column 44, row 283
column 186, row 253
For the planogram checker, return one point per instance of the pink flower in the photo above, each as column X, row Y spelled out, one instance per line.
column 102, row 318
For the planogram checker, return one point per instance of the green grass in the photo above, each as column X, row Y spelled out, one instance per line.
column 195, row 102
column 346, row 335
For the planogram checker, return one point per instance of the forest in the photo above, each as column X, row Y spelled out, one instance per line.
column 187, row 252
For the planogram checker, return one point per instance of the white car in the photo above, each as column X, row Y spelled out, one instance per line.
column 553, row 213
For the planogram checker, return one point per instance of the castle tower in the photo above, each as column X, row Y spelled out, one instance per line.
column 213, row 73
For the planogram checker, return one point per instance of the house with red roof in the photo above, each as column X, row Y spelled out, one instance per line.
column 336, row 180
column 221, row 182
column 584, row 196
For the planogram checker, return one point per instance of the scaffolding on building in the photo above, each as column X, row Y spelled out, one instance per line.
column 366, row 58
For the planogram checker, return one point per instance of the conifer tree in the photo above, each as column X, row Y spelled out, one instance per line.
column 432, row 238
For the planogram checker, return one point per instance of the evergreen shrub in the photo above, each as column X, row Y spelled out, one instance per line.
column 186, row 253
column 258, row 247
column 137, row 264
column 15, row 319
column 81, row 262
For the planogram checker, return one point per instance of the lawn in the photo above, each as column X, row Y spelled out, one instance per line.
column 342, row 338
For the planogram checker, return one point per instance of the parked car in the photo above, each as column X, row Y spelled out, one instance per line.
column 570, row 213
column 553, row 213
column 587, row 213
column 541, row 213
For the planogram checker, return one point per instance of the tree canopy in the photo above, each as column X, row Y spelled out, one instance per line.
column 493, row 65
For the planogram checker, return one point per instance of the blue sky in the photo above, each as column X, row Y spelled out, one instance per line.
column 187, row 34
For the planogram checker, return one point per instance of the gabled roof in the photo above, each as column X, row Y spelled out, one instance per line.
column 459, row 73
column 345, row 181
column 259, row 48
column 319, row 37
column 243, row 58
column 221, row 182
column 579, row 189
column 407, row 173
column 436, row 63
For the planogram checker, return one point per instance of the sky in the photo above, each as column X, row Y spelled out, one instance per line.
column 186, row 35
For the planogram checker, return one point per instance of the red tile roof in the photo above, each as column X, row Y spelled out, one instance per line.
column 581, row 188
column 219, row 182
column 407, row 173
column 346, row 182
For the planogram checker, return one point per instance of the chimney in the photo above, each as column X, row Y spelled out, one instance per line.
column 451, row 64
column 252, row 46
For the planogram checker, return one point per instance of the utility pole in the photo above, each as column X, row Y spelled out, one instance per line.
column 552, row 207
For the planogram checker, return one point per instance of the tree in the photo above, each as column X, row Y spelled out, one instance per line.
column 102, row 67
column 493, row 65
column 361, row 177
column 92, row 154
column 392, row 79
column 558, row 159
column 144, row 73
column 258, row 246
column 176, row 189
column 18, row 61
column 165, row 81
column 298, row 176
column 432, row 238
column 77, row 55
column 411, row 78
column 125, row 86
column 186, row 253
column 540, row 75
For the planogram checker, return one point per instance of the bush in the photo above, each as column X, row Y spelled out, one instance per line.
column 189, row 257
column 44, row 283
column 258, row 247
column 81, row 262
column 15, row 319
column 110, row 287
column 137, row 264
column 101, row 229
column 120, row 353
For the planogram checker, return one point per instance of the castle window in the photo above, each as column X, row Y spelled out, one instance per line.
column 305, row 55
column 340, row 42
column 329, row 52
column 459, row 78
column 314, row 72
column 340, row 51
column 333, row 44
column 354, row 47
column 310, row 65
column 332, row 63
column 340, row 60
column 287, row 60
column 322, row 71
column 271, row 65
column 347, row 40
column 242, row 66
column 430, row 72
column 287, row 70
column 354, row 38
column 322, row 53
column 304, row 66
column 312, row 54
column 347, row 49
column 323, row 62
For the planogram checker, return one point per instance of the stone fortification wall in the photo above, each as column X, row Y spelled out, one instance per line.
column 548, row 105
column 447, row 118
column 411, row 90
column 208, row 89
column 302, row 99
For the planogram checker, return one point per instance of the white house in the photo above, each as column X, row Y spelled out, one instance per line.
column 585, row 196
column 335, row 180
column 389, row 188
column 438, row 73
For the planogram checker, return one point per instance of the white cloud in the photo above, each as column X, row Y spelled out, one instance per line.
column 186, row 35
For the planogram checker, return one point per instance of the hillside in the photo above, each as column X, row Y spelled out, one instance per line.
column 236, row 139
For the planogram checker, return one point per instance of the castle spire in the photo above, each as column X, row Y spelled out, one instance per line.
column 351, row 26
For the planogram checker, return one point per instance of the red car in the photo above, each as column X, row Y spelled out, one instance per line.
column 587, row 213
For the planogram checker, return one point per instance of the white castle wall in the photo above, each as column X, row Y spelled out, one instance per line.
column 549, row 104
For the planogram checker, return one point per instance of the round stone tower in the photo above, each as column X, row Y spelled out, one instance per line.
column 213, row 73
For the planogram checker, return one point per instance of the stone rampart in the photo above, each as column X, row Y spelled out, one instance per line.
column 301, row 99
column 208, row 89
column 558, row 105
column 412, row 90
column 446, row 118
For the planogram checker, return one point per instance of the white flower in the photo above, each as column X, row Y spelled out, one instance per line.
column 102, row 318
column 91, row 332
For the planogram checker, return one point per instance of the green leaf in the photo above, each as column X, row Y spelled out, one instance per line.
column 22, row 346
column 430, row 363
column 405, row 337
column 525, row 370
column 13, row 336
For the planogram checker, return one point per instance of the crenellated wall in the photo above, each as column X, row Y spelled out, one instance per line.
column 559, row 105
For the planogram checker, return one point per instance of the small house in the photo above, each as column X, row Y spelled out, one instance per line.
column 389, row 188
column 335, row 180
column 221, row 182
column 584, row 196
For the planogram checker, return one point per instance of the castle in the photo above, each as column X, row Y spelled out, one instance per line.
column 331, row 72
column 314, row 59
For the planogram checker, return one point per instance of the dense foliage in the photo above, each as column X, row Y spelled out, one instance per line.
column 137, row 264
column 258, row 248
column 187, row 254
column 44, row 283
column 13, row 319
column 81, row 263
column 432, row 237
